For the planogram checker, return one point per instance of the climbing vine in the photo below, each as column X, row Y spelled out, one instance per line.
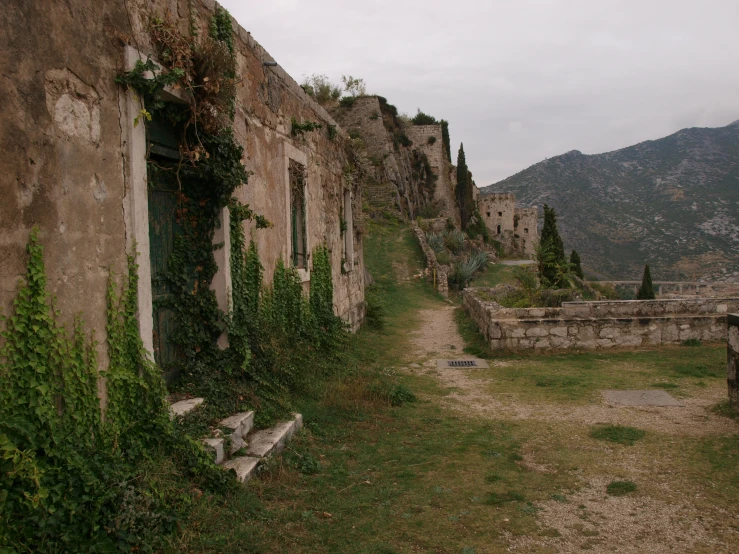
column 69, row 479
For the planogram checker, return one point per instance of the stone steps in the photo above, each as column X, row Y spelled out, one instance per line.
column 235, row 434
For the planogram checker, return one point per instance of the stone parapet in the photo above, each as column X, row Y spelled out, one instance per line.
column 439, row 272
column 595, row 325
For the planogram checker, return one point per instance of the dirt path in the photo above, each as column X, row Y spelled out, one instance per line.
column 589, row 520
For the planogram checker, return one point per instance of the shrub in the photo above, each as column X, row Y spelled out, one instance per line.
column 423, row 119
column 321, row 88
column 454, row 241
column 375, row 310
column 347, row 101
column 431, row 140
column 435, row 241
column 444, row 257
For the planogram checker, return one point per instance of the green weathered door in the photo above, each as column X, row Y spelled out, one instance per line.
column 163, row 228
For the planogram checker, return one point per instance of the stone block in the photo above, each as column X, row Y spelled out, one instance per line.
column 722, row 308
column 537, row 332
column 517, row 333
column 184, row 406
column 609, row 333
column 244, row 466
column 573, row 330
column 542, row 343
column 734, row 338
column 559, row 342
column 271, row 441
column 605, row 343
column 670, row 334
column 218, row 448
column 536, row 312
column 239, row 424
column 558, row 331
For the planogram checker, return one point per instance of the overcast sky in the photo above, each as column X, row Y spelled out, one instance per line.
column 520, row 80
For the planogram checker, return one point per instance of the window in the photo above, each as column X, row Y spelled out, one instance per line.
column 298, row 249
column 498, row 229
column 488, row 214
column 347, row 228
column 526, row 231
column 500, row 214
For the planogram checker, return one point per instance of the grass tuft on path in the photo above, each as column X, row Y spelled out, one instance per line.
column 620, row 434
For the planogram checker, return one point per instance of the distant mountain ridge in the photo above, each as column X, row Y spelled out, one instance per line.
column 671, row 202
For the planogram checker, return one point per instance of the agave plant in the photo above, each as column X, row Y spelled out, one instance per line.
column 454, row 240
column 435, row 241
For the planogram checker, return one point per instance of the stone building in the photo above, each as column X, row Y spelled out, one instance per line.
column 75, row 160
column 408, row 165
column 514, row 227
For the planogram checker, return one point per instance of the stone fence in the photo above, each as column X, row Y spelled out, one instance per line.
column 438, row 272
column 681, row 288
column 601, row 324
column 733, row 359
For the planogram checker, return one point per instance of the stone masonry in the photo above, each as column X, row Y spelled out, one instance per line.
column 596, row 325
column 514, row 227
column 438, row 272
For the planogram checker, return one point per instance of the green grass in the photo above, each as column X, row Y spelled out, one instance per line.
column 621, row 488
column 374, row 472
column 618, row 433
column 495, row 274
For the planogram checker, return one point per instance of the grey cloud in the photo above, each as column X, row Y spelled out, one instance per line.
column 521, row 80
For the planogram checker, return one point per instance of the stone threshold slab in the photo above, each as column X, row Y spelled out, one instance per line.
column 271, row 441
column 640, row 398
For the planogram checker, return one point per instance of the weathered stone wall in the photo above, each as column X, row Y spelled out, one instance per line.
column 69, row 160
column 732, row 369
column 593, row 325
column 525, row 229
column 428, row 140
column 497, row 211
column 437, row 272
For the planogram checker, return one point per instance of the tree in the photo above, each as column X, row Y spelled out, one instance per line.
column 646, row 291
column 553, row 263
column 465, row 200
column 445, row 139
column 423, row 119
column 575, row 265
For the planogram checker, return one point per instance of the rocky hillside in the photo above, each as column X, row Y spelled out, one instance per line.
column 672, row 202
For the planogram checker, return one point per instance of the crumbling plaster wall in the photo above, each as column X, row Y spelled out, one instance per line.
column 62, row 132
column 599, row 325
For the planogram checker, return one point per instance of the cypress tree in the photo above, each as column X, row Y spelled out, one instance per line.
column 445, row 140
column 550, row 236
column 464, row 189
column 575, row 265
column 646, row 291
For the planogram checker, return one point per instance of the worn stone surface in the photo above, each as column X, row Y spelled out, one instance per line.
column 184, row 406
column 239, row 424
column 244, row 466
column 218, row 446
column 271, row 441
column 640, row 398
column 594, row 325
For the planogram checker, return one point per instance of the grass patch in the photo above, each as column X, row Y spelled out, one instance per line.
column 618, row 433
column 726, row 409
column 691, row 342
column 620, row 488
column 498, row 499
column 475, row 343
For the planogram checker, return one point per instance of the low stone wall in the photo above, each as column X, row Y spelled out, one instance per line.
column 733, row 359
column 442, row 271
column 593, row 325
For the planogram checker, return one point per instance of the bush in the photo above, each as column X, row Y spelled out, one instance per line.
column 423, row 119
column 435, row 241
column 454, row 241
column 347, row 102
column 320, row 88
column 431, row 140
column 375, row 310
column 444, row 257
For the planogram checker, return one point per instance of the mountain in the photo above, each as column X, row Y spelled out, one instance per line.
column 672, row 203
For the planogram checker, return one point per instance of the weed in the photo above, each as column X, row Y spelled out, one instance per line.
column 620, row 488
column 493, row 478
column 618, row 433
column 691, row 342
column 498, row 499
column 726, row 409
